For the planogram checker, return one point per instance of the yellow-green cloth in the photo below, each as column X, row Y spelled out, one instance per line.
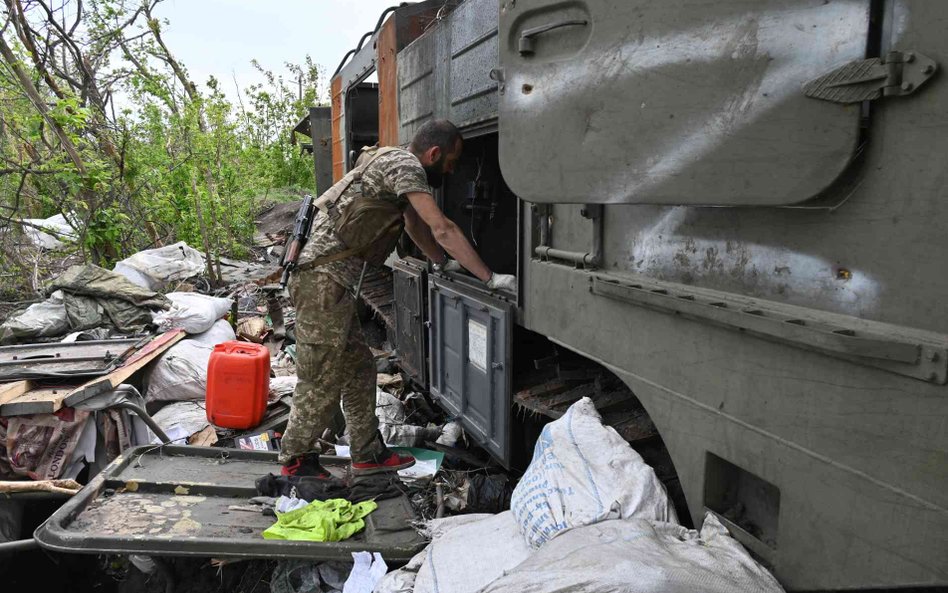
column 330, row 520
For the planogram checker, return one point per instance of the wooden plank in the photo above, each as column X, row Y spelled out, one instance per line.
column 44, row 400
column 49, row 400
column 11, row 391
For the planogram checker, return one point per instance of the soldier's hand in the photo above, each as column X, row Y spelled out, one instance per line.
column 506, row 282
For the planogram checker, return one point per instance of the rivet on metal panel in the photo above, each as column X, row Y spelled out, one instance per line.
column 907, row 86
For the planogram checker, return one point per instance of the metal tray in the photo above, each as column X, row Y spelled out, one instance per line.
column 55, row 359
column 193, row 501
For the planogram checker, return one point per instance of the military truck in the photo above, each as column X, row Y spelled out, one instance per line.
column 727, row 221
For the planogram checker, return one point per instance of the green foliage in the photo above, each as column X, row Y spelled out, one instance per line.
column 160, row 158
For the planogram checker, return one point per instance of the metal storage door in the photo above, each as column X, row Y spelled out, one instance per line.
column 409, row 320
column 470, row 339
column 675, row 102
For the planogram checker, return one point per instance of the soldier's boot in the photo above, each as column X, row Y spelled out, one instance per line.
column 306, row 465
column 385, row 461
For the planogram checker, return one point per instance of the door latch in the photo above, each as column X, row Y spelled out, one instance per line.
column 897, row 74
column 526, row 45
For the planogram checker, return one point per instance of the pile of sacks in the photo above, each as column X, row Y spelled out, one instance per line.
column 589, row 516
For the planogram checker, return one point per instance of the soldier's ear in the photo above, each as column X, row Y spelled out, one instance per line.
column 432, row 155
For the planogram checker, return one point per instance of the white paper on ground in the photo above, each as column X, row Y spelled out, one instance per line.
column 367, row 570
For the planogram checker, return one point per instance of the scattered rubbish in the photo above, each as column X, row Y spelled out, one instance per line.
column 146, row 564
column 583, row 472
column 480, row 493
column 283, row 364
column 390, row 383
column 49, row 233
column 68, row 487
column 303, row 576
column 180, row 421
column 265, row 441
column 205, row 438
column 367, row 570
column 154, row 268
column 281, row 387
column 394, row 426
column 427, row 462
column 238, row 384
column 321, row 521
column 638, row 556
column 451, row 433
column 252, row 329
column 181, row 373
column 193, row 312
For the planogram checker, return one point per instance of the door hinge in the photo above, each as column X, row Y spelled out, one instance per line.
column 897, row 74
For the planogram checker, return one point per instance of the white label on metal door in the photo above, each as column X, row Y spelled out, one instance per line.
column 477, row 344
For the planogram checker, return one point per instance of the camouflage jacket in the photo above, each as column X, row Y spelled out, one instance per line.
column 391, row 176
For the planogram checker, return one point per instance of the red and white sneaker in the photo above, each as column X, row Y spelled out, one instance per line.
column 387, row 461
column 306, row 465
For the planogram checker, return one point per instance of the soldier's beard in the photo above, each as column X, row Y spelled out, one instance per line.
column 435, row 173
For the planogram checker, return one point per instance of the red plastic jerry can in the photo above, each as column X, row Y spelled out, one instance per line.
column 238, row 382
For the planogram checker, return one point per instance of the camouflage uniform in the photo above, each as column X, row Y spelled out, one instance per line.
column 333, row 361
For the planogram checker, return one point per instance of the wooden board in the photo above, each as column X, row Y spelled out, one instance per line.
column 42, row 400
column 11, row 391
column 48, row 400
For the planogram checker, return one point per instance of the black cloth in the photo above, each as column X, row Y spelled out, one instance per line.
column 308, row 488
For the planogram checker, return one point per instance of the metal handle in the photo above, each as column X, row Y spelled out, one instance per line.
column 526, row 45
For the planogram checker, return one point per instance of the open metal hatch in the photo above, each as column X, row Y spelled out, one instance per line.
column 194, row 501
column 409, row 281
column 470, row 337
column 675, row 102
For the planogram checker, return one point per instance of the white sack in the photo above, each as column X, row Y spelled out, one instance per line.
column 583, row 472
column 60, row 231
column 471, row 556
column 45, row 319
column 639, row 556
column 193, row 312
column 220, row 332
column 181, row 372
column 403, row 579
column 154, row 267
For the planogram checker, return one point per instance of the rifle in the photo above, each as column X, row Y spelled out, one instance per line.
column 301, row 230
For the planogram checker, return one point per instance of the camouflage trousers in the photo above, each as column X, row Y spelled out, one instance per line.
column 333, row 363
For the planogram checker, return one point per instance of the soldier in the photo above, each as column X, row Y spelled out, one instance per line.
column 333, row 360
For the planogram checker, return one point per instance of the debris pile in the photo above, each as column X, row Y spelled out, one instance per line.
column 115, row 359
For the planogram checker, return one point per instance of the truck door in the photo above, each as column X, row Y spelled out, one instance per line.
column 470, row 361
column 675, row 102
